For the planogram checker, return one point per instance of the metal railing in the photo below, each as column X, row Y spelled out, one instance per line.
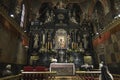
column 36, row 75
column 116, row 76
column 47, row 75
column 88, row 75
column 12, row 77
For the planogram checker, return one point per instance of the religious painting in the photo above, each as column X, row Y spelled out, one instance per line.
column 61, row 39
column 117, row 58
column 88, row 59
column 113, row 57
column 115, row 46
column 114, row 38
column 118, row 40
column 108, row 59
column 119, row 45
column 118, row 35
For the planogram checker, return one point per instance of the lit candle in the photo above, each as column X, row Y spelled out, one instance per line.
column 48, row 45
column 51, row 45
column 72, row 45
column 43, row 38
column 77, row 45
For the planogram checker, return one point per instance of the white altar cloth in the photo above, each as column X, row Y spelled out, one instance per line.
column 63, row 68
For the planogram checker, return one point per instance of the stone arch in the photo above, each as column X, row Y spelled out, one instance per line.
column 105, row 4
column 77, row 8
column 94, row 4
column 99, row 6
column 99, row 9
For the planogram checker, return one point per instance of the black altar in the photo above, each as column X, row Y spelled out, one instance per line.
column 59, row 36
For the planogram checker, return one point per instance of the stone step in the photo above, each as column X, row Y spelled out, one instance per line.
column 66, row 78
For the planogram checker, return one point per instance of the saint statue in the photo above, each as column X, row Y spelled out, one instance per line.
column 36, row 40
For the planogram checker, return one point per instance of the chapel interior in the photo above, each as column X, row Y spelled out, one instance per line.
column 59, row 35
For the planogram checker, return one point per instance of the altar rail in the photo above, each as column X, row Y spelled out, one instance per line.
column 47, row 75
column 88, row 75
column 80, row 75
column 116, row 76
column 13, row 77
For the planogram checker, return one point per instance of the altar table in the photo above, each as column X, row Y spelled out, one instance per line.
column 63, row 68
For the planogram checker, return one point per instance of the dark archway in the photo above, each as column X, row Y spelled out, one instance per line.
column 99, row 15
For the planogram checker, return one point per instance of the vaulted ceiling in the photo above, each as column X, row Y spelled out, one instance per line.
column 88, row 7
column 85, row 6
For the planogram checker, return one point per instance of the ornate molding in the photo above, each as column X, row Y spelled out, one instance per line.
column 110, row 26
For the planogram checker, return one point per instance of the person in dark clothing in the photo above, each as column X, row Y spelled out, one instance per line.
column 105, row 74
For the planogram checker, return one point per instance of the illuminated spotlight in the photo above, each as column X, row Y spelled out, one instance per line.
column 97, row 33
column 26, row 47
column 12, row 15
column 118, row 15
column 115, row 17
column 25, row 31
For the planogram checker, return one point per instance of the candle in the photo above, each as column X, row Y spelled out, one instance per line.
column 51, row 45
column 72, row 45
column 48, row 45
column 43, row 38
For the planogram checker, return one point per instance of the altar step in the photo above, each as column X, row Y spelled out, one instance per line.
column 66, row 78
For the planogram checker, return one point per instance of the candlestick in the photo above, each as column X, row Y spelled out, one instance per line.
column 48, row 45
column 51, row 45
column 43, row 38
column 72, row 45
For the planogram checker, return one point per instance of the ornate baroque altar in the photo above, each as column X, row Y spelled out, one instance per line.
column 60, row 37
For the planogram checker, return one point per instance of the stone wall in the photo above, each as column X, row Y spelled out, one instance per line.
column 11, row 48
column 107, row 48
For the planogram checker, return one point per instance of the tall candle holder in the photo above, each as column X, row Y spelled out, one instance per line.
column 42, row 48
